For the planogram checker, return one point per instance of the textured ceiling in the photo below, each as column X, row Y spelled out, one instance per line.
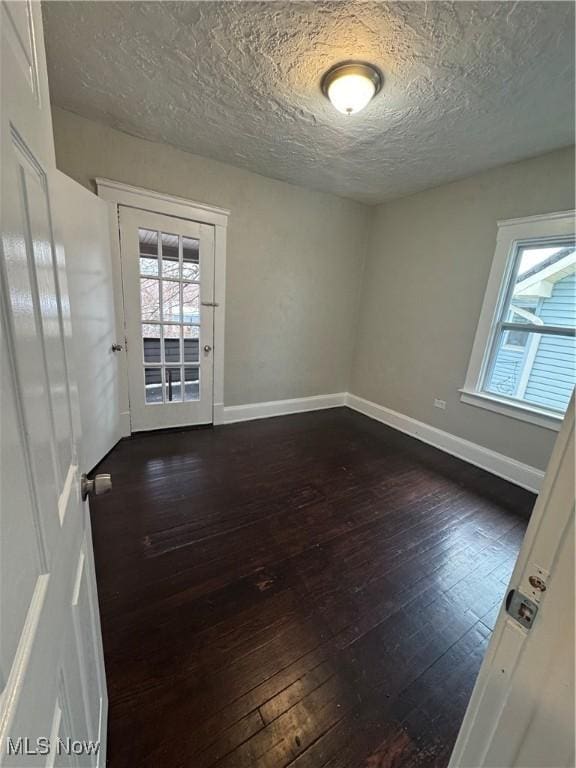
column 468, row 85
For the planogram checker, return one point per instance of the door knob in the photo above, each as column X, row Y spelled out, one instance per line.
column 117, row 347
column 98, row 486
column 207, row 348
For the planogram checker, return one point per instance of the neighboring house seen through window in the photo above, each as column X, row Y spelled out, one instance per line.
column 516, row 339
column 524, row 356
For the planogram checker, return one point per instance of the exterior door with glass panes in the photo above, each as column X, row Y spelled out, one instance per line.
column 168, row 285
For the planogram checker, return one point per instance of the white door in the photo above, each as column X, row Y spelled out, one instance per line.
column 521, row 714
column 86, row 232
column 51, row 665
column 168, row 287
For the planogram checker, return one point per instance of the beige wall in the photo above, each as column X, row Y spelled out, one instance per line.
column 426, row 271
column 294, row 259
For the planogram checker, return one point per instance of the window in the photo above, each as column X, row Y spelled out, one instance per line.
column 170, row 313
column 523, row 362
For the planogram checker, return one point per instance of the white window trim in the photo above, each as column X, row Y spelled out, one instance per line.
column 511, row 233
column 117, row 193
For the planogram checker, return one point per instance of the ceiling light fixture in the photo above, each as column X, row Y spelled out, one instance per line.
column 350, row 86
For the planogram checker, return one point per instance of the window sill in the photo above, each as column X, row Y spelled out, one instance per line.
column 535, row 416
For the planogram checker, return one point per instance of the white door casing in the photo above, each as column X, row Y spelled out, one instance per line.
column 521, row 713
column 86, row 231
column 51, row 663
column 177, row 307
column 121, row 194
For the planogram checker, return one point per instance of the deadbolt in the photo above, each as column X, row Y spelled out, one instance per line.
column 98, row 486
column 537, row 583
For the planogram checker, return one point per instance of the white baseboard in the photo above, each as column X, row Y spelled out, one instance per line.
column 503, row 466
column 230, row 414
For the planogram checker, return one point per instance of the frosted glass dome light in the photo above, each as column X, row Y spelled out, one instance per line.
column 351, row 86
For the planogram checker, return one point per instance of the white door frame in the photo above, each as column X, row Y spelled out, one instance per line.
column 118, row 193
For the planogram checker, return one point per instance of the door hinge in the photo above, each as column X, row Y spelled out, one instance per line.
column 521, row 608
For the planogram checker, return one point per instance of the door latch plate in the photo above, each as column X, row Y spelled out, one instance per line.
column 521, row 608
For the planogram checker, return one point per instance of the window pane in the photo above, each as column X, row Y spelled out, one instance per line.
column 149, row 299
column 516, row 339
column 541, row 372
column 172, row 343
column 191, row 343
column 148, row 251
column 151, row 343
column 190, row 258
column 153, row 384
column 191, row 383
column 545, row 288
column 170, row 259
column 171, row 301
column 173, row 386
column 190, row 303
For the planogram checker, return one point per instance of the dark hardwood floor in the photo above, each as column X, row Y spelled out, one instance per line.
column 311, row 590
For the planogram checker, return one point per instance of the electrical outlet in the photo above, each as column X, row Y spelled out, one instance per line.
column 440, row 404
